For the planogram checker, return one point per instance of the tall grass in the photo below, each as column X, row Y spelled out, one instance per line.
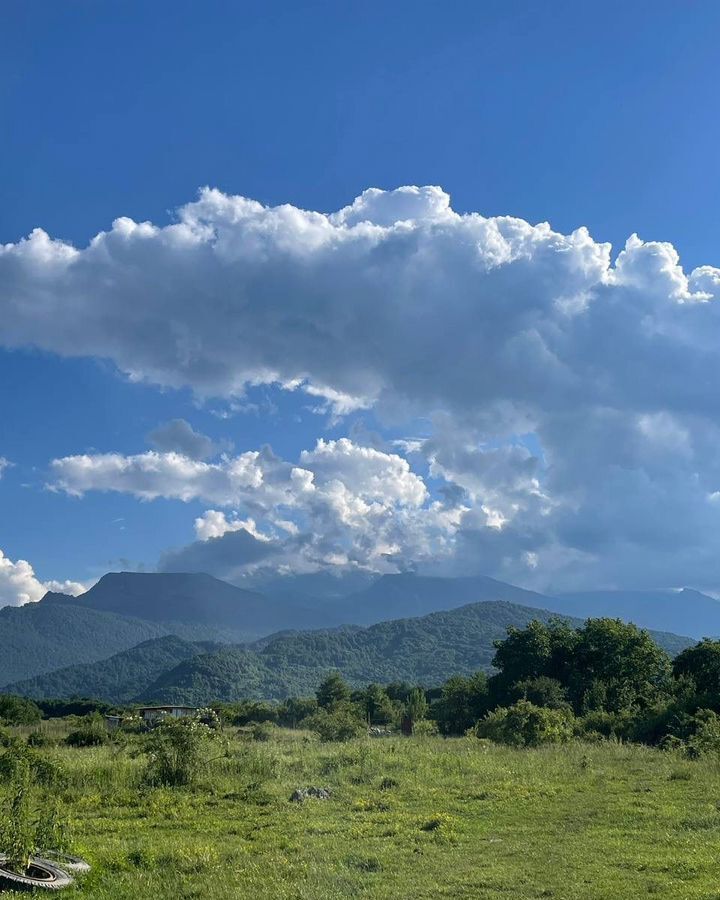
column 407, row 817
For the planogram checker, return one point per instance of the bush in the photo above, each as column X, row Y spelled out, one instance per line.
column 295, row 709
column 618, row 725
column 39, row 739
column 18, row 710
column 91, row 733
column 526, row 725
column 244, row 712
column 342, row 723
column 262, row 731
column 31, row 814
column 706, row 738
column 58, row 709
column 425, row 728
column 176, row 751
column 133, row 724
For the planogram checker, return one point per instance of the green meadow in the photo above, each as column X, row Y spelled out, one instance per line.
column 417, row 817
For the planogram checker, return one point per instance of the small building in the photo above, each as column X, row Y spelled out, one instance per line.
column 113, row 722
column 156, row 713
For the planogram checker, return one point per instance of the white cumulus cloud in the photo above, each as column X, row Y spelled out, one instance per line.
column 20, row 585
column 340, row 502
column 572, row 393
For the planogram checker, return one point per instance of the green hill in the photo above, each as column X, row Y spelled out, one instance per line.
column 42, row 637
column 116, row 680
column 424, row 650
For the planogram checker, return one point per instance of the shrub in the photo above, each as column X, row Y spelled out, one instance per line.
column 706, row 738
column 244, row 712
column 133, row 724
column 425, row 728
column 342, row 723
column 58, row 709
column 91, row 733
column 295, row 709
column 617, row 725
column 18, row 710
column 31, row 816
column 39, row 739
column 526, row 725
column 262, row 731
column 176, row 751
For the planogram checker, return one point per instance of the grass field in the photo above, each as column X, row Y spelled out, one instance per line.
column 408, row 818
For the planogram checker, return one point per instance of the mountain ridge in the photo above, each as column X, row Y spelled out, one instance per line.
column 426, row 649
column 38, row 638
column 178, row 600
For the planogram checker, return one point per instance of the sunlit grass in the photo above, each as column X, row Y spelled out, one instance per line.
column 419, row 817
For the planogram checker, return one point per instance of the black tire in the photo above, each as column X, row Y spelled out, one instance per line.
column 42, row 875
column 70, row 863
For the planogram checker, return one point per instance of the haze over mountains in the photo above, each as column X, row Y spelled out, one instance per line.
column 198, row 606
column 195, row 605
column 173, row 636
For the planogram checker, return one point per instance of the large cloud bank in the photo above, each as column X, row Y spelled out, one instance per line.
column 491, row 328
column 341, row 505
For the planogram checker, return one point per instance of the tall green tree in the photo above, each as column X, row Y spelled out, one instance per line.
column 416, row 707
column 332, row 691
column 606, row 664
column 621, row 661
column 536, row 650
column 462, row 702
column 702, row 664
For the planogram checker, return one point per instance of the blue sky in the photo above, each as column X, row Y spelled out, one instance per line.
column 599, row 116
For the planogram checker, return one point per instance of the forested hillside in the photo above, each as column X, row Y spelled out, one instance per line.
column 424, row 650
column 42, row 637
column 118, row 679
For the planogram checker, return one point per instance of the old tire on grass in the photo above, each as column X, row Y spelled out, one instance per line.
column 41, row 875
column 69, row 863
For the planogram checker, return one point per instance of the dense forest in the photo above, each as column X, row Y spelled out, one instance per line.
column 551, row 681
column 424, row 650
column 42, row 637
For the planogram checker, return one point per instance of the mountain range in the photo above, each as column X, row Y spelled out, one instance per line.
column 424, row 650
column 172, row 636
column 195, row 605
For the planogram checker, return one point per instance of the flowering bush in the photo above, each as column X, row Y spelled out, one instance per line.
column 176, row 750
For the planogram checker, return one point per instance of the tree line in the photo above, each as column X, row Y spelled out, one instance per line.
column 551, row 682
